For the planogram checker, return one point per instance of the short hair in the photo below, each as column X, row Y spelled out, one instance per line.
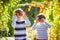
column 41, row 16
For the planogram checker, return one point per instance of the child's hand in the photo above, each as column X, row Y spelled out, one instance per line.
column 24, row 14
column 37, row 20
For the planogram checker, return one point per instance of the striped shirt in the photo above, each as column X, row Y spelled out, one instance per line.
column 41, row 30
column 20, row 27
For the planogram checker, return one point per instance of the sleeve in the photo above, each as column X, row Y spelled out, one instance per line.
column 27, row 21
column 34, row 26
column 48, row 25
column 14, row 21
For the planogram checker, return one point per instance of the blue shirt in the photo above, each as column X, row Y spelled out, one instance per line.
column 41, row 30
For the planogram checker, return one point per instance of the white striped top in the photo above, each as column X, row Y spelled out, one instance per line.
column 21, row 33
column 41, row 30
column 27, row 22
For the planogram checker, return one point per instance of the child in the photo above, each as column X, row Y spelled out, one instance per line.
column 41, row 26
column 20, row 21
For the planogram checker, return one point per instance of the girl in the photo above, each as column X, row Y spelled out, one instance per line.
column 41, row 26
column 20, row 21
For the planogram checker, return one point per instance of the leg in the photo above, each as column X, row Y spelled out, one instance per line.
column 16, row 39
column 24, row 39
column 41, row 39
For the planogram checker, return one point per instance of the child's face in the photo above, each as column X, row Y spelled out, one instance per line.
column 37, row 19
column 19, row 15
column 40, row 20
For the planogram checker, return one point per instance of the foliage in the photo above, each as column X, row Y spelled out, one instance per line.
column 6, row 14
column 53, row 16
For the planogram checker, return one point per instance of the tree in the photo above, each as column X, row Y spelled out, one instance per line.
column 53, row 16
column 6, row 14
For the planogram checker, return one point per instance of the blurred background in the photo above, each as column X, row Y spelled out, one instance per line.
column 50, row 8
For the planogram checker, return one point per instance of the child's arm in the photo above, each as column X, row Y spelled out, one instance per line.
column 27, row 21
column 14, row 21
column 34, row 26
column 48, row 25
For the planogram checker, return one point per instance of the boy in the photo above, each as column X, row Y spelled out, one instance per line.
column 41, row 26
column 20, row 21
